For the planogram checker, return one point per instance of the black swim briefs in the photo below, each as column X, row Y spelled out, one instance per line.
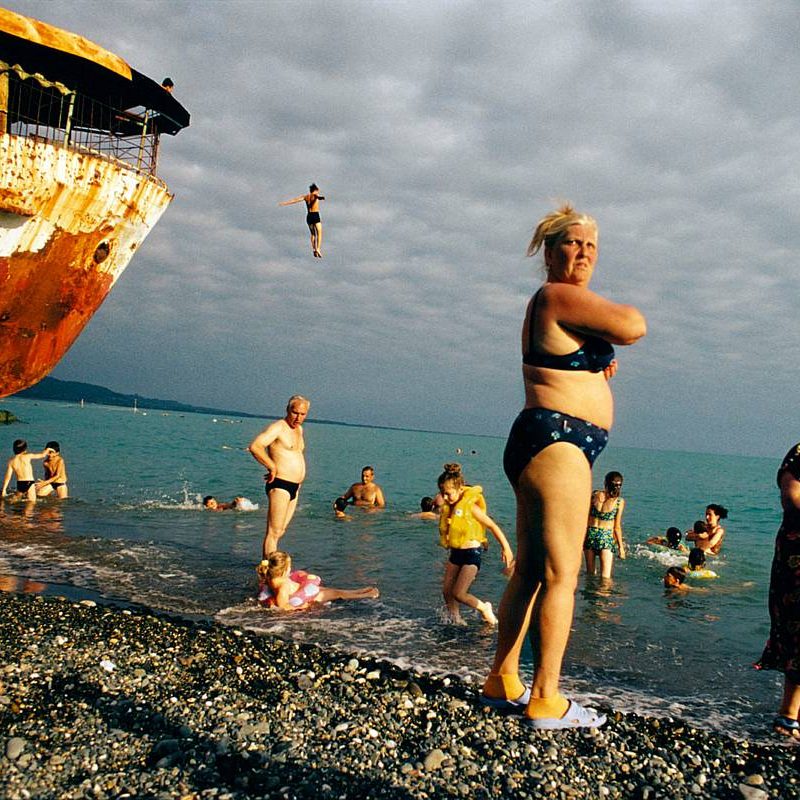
column 290, row 487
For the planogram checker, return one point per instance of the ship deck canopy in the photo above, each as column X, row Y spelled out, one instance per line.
column 84, row 67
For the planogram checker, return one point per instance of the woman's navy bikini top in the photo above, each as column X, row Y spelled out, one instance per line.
column 594, row 355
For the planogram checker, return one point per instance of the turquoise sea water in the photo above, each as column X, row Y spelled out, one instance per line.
column 134, row 531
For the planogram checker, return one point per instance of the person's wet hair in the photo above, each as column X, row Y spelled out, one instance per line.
column 53, row 446
column 427, row 504
column 697, row 558
column 700, row 526
column 720, row 511
column 19, row 446
column 313, row 188
column 677, row 574
column 674, row 536
column 207, row 499
column 340, row 504
column 452, row 476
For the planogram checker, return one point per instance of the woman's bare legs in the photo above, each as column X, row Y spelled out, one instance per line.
column 606, row 563
column 589, row 556
column 553, row 496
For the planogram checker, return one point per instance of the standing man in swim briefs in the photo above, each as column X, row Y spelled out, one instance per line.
column 280, row 448
column 367, row 493
column 312, row 216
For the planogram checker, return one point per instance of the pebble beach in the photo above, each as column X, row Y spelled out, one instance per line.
column 108, row 702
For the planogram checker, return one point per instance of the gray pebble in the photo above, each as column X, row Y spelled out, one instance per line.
column 752, row 793
column 14, row 747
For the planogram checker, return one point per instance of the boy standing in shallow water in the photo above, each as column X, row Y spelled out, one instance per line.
column 55, row 473
column 20, row 465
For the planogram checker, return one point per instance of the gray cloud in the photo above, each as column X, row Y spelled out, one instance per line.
column 440, row 133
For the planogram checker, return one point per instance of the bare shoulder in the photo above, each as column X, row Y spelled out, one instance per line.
column 272, row 431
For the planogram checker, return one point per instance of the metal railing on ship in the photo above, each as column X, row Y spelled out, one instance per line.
column 33, row 107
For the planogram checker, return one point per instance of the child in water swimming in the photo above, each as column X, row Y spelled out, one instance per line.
column 697, row 565
column 675, row 577
column 672, row 540
column 290, row 591
column 462, row 529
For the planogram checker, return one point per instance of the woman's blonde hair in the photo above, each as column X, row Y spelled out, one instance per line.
column 452, row 475
column 551, row 229
column 275, row 566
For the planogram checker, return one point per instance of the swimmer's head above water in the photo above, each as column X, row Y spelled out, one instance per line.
column 697, row 559
column 674, row 537
column 700, row 526
column 674, row 577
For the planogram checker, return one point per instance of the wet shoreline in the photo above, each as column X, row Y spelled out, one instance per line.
column 98, row 701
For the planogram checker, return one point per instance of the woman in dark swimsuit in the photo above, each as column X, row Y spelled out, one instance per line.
column 312, row 216
column 567, row 361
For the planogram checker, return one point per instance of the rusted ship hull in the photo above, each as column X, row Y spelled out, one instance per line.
column 69, row 225
column 79, row 144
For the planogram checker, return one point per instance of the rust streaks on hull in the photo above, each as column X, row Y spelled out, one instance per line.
column 69, row 224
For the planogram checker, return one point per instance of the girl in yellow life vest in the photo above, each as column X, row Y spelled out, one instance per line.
column 462, row 529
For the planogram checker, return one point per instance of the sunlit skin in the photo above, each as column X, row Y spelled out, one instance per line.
column 459, row 578
column 600, row 500
column 553, row 491
column 296, row 415
column 280, row 449
column 315, row 228
column 572, row 260
column 711, row 540
column 367, row 493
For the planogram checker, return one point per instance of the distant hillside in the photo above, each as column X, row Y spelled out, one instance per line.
column 74, row 392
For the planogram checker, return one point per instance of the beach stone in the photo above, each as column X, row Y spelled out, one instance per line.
column 433, row 760
column 304, row 682
column 752, row 793
column 165, row 747
column 414, row 689
column 14, row 747
column 754, row 780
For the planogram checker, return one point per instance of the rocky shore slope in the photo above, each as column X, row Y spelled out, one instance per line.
column 99, row 702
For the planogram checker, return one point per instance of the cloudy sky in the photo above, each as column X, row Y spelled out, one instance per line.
column 440, row 132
